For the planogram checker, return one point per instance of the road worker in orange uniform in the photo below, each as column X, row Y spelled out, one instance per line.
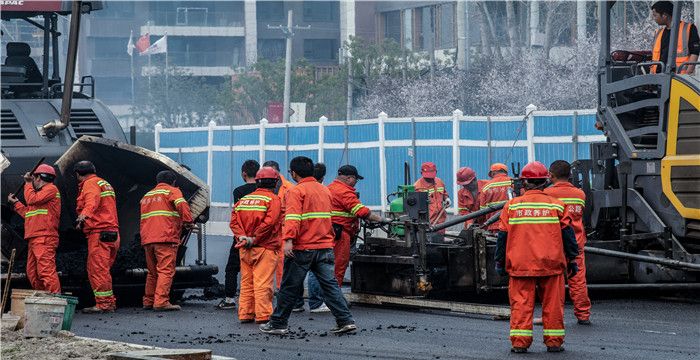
column 97, row 217
column 164, row 212
column 256, row 222
column 495, row 191
column 468, row 194
column 575, row 201
column 345, row 212
column 439, row 200
column 41, row 217
column 283, row 186
column 536, row 247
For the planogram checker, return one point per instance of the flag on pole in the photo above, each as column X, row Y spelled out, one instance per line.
column 143, row 43
column 158, row 47
column 130, row 45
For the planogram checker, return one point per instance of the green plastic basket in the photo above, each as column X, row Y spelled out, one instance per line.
column 71, row 303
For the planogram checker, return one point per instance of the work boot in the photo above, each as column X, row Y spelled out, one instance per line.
column 321, row 309
column 555, row 348
column 147, row 307
column 584, row 322
column 223, row 305
column 518, row 350
column 96, row 310
column 341, row 329
column 168, row 307
column 246, row 321
column 298, row 309
column 268, row 329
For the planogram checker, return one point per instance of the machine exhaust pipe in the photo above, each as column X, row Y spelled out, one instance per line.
column 463, row 218
column 676, row 264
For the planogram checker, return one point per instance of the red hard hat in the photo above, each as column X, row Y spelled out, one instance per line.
column 534, row 170
column 498, row 166
column 45, row 169
column 266, row 172
column 465, row 175
column 428, row 170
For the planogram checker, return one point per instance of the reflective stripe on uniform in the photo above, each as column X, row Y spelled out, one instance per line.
column 179, row 200
column 292, row 217
column 58, row 195
column 532, row 205
column 553, row 332
column 251, row 208
column 157, row 192
column 534, row 220
column 36, row 212
column 492, row 204
column 160, row 213
column 575, row 201
column 256, row 197
column 356, row 208
column 102, row 182
column 103, row 293
column 107, row 193
column 521, row 332
column 497, row 184
column 308, row 216
column 342, row 214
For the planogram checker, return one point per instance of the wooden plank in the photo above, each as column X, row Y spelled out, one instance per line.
column 497, row 311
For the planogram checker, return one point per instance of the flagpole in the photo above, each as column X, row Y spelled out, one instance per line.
column 131, row 55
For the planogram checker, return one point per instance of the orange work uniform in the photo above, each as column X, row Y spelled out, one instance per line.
column 163, row 212
column 575, row 201
column 346, row 209
column 436, row 195
column 307, row 218
column 285, row 186
column 468, row 202
column 494, row 192
column 535, row 258
column 257, row 215
column 97, row 202
column 41, row 217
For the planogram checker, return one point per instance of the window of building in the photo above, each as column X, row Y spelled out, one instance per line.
column 271, row 49
column 111, row 48
column 196, row 13
column 205, row 51
column 321, row 49
column 392, row 25
column 446, row 26
column 269, row 10
column 116, row 10
column 320, row 11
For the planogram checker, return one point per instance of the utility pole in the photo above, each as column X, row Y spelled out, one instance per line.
column 288, row 32
column 348, row 63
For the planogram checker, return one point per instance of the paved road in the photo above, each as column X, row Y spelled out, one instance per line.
column 622, row 329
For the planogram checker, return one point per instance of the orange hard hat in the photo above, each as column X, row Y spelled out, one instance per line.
column 428, row 170
column 534, row 170
column 45, row 169
column 498, row 166
column 465, row 175
column 266, row 172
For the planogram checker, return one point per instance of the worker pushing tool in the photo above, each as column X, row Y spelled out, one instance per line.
column 468, row 194
column 97, row 217
column 345, row 212
column 164, row 212
column 41, row 214
column 256, row 224
column 536, row 247
column 308, row 236
column 575, row 201
column 433, row 185
column 495, row 190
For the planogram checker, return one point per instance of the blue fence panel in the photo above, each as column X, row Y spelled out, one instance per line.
column 476, row 158
column 553, row 125
column 548, row 153
column 222, row 137
column 184, row 139
column 363, row 133
column 246, row 137
column 303, row 135
column 275, row 136
column 395, row 158
column 473, row 130
column 584, row 151
column 197, row 162
column 586, row 125
column 281, row 158
column 397, row 131
column 333, row 158
column 434, row 130
column 507, row 156
column 442, row 157
column 223, row 176
column 334, row 134
column 367, row 163
column 507, row 130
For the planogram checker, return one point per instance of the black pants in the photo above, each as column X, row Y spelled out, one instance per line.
column 233, row 267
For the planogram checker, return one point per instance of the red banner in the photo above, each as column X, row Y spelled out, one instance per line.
column 274, row 112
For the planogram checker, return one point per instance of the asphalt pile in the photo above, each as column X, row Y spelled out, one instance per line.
column 63, row 346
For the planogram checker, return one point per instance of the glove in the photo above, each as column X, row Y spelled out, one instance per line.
column 571, row 269
column 244, row 241
column 500, row 269
column 385, row 221
column 447, row 203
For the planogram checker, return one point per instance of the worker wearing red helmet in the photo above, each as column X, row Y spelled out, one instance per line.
column 164, row 212
column 495, row 191
column 41, row 214
column 256, row 222
column 468, row 194
column 575, row 201
column 439, row 199
column 96, row 206
column 536, row 247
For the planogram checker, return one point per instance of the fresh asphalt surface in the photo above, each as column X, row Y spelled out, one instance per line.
column 622, row 329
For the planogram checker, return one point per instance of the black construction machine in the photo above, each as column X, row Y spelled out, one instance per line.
column 642, row 185
column 42, row 122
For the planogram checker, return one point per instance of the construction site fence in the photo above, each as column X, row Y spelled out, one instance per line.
column 379, row 147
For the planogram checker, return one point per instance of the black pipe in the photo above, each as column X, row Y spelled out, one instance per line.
column 45, row 56
column 71, row 60
column 643, row 258
column 463, row 218
column 54, row 47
